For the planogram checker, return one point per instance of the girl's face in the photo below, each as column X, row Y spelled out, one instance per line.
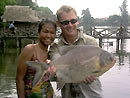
column 47, row 34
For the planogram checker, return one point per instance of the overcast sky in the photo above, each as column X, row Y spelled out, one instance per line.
column 97, row 8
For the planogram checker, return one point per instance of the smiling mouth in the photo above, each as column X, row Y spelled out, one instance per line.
column 70, row 30
column 48, row 40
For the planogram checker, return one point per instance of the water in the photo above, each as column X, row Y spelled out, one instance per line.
column 8, row 58
column 115, row 82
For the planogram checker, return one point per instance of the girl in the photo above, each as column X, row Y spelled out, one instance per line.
column 35, row 52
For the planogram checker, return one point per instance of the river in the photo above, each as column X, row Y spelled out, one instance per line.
column 115, row 82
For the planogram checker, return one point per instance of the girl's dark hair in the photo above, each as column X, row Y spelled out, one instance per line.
column 46, row 21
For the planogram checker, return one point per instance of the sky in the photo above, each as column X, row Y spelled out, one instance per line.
column 97, row 8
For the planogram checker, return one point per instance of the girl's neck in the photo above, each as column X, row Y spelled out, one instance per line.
column 43, row 47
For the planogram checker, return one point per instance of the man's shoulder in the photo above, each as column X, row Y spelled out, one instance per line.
column 58, row 42
column 54, row 44
column 89, row 39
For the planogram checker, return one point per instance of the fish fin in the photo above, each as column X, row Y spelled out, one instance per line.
column 37, row 78
column 60, row 85
column 40, row 67
column 37, row 65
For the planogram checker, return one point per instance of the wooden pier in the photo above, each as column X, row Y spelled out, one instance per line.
column 118, row 33
column 18, row 36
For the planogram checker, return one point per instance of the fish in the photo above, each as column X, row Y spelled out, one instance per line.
column 76, row 63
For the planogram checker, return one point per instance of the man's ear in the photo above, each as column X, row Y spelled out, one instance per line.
column 58, row 23
column 77, row 22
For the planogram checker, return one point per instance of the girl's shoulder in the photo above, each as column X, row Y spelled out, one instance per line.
column 29, row 49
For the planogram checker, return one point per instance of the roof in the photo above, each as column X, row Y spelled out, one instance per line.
column 20, row 13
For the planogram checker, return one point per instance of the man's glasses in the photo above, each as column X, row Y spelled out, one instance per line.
column 66, row 22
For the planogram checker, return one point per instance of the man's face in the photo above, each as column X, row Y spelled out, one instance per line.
column 68, row 23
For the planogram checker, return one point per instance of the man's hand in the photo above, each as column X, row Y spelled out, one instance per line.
column 89, row 79
column 51, row 69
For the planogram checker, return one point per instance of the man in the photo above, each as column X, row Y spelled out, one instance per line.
column 12, row 27
column 67, row 21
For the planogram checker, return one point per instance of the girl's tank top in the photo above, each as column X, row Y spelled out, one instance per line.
column 43, row 89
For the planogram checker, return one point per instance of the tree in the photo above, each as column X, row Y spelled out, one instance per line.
column 3, row 3
column 34, row 6
column 124, row 14
column 114, row 20
column 88, row 21
column 45, row 10
column 129, row 20
column 25, row 2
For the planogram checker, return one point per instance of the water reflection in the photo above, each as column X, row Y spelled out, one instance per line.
column 115, row 82
column 8, row 59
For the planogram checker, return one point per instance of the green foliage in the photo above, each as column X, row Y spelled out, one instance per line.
column 45, row 10
column 34, row 6
column 25, row 3
column 10, row 2
column 2, row 7
column 124, row 13
column 129, row 20
column 100, row 22
column 114, row 20
column 3, row 3
column 88, row 21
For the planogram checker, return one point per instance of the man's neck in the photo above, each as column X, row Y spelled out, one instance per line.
column 70, row 38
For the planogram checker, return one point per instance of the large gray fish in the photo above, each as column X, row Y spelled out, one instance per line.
column 77, row 63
